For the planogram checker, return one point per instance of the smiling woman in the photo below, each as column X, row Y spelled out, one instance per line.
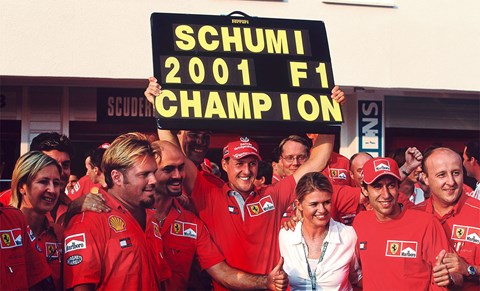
column 35, row 191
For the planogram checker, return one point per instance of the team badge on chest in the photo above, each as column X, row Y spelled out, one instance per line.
column 338, row 174
column 180, row 228
column 52, row 250
column 117, row 223
column 264, row 205
column 402, row 249
column 466, row 234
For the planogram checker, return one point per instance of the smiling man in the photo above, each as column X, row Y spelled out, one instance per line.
column 123, row 249
column 458, row 213
column 398, row 247
column 185, row 236
column 244, row 221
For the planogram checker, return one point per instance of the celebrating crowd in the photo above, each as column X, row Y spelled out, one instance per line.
column 151, row 214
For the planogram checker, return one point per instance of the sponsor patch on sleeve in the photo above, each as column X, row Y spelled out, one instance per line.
column 11, row 238
column 74, row 260
column 117, row 223
column 75, row 242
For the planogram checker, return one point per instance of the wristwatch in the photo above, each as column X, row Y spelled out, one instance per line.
column 472, row 271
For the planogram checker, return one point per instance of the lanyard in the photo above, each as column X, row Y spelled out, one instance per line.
column 313, row 277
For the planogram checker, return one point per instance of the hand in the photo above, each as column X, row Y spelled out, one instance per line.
column 413, row 159
column 441, row 275
column 455, row 264
column 153, row 90
column 338, row 95
column 291, row 223
column 94, row 202
column 278, row 279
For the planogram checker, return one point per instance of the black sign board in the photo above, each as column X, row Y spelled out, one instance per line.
column 236, row 72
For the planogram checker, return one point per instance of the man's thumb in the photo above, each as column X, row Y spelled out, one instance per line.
column 440, row 257
column 279, row 265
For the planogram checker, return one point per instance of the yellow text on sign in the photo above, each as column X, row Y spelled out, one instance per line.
column 239, row 39
column 246, row 105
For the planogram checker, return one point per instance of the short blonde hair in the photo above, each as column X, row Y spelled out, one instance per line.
column 25, row 170
column 123, row 153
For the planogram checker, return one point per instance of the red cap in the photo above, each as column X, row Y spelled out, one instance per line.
column 377, row 167
column 241, row 148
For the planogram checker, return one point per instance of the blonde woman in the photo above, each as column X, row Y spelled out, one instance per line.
column 320, row 253
column 35, row 191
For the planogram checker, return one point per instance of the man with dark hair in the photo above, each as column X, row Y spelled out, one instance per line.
column 277, row 170
column 398, row 247
column 471, row 162
column 94, row 178
column 185, row 236
column 264, row 175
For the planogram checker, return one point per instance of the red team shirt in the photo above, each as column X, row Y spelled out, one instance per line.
column 83, row 187
column 249, row 244
column 399, row 254
column 50, row 244
column 462, row 226
column 21, row 265
column 111, row 250
column 185, row 237
column 338, row 169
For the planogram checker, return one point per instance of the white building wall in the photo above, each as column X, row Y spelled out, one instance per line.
column 428, row 44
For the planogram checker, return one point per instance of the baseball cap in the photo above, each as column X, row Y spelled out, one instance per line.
column 241, row 148
column 377, row 167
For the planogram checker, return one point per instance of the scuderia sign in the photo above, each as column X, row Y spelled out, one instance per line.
column 232, row 71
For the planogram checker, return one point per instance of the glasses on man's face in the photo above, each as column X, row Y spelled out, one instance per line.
column 300, row 158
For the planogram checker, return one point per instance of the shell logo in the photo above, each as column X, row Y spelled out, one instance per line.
column 117, row 223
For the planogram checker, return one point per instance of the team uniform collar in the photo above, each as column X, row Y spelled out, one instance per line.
column 333, row 234
column 455, row 210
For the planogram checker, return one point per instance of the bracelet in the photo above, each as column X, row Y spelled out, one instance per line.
column 404, row 172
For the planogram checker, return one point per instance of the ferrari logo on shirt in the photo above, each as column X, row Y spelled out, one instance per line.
column 265, row 204
column 460, row 232
column 338, row 174
column 11, row 238
column 466, row 234
column 394, row 248
column 117, row 223
column 402, row 249
column 156, row 230
column 177, row 228
column 51, row 250
column 187, row 229
column 254, row 208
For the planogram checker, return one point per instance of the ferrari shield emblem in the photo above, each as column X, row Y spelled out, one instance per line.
column 394, row 248
column 460, row 232
column 254, row 208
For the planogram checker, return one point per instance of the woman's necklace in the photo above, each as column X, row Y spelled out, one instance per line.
column 313, row 277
